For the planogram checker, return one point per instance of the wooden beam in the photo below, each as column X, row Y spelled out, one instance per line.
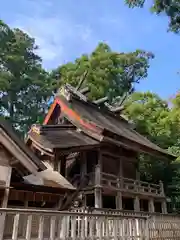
column 137, row 147
column 117, row 109
column 48, row 116
column 66, row 151
column 100, row 100
column 74, row 91
column 82, row 80
column 106, row 153
column 84, row 90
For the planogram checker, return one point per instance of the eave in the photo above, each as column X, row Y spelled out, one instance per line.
column 17, row 152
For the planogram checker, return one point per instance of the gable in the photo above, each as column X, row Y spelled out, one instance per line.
column 56, row 116
column 73, row 117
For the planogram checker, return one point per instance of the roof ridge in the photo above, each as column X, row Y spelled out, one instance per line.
column 80, row 97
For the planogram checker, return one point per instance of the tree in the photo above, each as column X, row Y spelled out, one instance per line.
column 169, row 8
column 109, row 73
column 153, row 118
column 23, row 82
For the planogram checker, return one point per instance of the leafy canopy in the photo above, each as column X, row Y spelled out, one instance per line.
column 160, row 122
column 25, row 85
column 109, row 73
column 169, row 8
column 23, row 81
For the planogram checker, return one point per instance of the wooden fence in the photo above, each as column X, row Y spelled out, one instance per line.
column 44, row 224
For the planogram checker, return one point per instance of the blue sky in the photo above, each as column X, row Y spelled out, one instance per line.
column 64, row 29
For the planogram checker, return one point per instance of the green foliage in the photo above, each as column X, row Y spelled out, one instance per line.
column 161, row 124
column 23, row 83
column 169, row 8
column 25, row 86
column 109, row 73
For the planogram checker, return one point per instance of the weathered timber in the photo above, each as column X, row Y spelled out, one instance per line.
column 82, row 224
column 101, row 100
column 82, row 80
column 5, row 200
column 124, row 184
column 84, row 90
column 18, row 149
column 117, row 109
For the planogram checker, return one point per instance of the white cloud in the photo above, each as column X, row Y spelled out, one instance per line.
column 61, row 38
column 47, row 33
column 51, row 33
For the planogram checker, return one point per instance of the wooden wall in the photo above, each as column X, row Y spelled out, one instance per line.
column 129, row 169
column 110, row 165
column 116, row 160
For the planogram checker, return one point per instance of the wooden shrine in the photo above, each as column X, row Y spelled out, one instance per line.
column 96, row 149
column 25, row 181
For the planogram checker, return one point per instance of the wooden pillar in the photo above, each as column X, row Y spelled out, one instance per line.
column 25, row 217
column 161, row 188
column 121, row 173
column 98, row 198
column 56, row 161
column 26, row 201
column 151, row 205
column 119, row 201
column 163, row 203
column 164, row 206
column 85, row 200
column 6, row 191
column 119, row 186
column 5, row 200
column 98, row 190
column 83, row 164
column 137, row 170
column 62, row 165
column 136, row 204
column 120, row 168
column 83, row 172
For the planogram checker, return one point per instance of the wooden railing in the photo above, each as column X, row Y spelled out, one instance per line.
column 131, row 185
column 81, row 224
column 33, row 224
column 126, row 184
